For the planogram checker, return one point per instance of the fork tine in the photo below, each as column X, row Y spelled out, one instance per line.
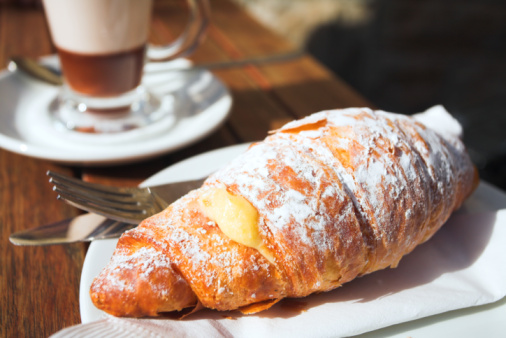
column 130, row 205
column 127, row 216
column 99, row 200
column 80, row 184
column 95, row 195
column 73, row 186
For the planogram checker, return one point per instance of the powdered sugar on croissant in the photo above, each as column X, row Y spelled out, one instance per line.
column 320, row 201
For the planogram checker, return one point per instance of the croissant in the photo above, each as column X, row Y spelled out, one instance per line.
column 321, row 201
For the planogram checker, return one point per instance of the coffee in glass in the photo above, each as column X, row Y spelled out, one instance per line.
column 102, row 47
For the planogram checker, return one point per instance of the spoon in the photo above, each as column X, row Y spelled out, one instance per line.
column 54, row 76
column 36, row 70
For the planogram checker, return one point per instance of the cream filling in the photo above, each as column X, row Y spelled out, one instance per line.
column 236, row 218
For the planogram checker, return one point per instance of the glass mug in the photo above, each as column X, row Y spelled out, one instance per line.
column 102, row 46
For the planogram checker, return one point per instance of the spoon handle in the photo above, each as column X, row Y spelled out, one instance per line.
column 41, row 72
column 32, row 68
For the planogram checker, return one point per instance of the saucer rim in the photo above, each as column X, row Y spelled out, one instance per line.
column 220, row 110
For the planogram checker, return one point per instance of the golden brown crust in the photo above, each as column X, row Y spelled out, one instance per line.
column 140, row 281
column 339, row 194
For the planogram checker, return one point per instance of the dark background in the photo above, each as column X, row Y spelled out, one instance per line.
column 413, row 54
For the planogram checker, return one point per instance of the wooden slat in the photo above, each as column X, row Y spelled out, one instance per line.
column 34, row 280
column 23, row 31
column 302, row 86
column 133, row 174
column 248, row 36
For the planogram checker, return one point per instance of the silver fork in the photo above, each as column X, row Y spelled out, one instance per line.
column 124, row 204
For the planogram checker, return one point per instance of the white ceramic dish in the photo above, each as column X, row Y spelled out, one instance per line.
column 100, row 251
column 485, row 320
column 199, row 101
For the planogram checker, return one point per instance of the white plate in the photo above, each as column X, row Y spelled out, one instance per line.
column 470, row 322
column 200, row 103
column 100, row 251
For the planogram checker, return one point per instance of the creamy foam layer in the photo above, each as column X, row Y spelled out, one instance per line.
column 98, row 26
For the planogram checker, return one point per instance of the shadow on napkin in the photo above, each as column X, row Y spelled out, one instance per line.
column 456, row 246
column 455, row 269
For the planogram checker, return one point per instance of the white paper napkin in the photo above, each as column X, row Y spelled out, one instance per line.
column 463, row 265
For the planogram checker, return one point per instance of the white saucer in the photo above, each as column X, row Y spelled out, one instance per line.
column 199, row 101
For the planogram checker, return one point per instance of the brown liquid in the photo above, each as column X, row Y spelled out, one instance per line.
column 103, row 75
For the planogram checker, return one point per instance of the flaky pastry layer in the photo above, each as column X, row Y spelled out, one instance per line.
column 339, row 194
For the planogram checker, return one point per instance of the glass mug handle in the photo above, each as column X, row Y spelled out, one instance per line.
column 189, row 39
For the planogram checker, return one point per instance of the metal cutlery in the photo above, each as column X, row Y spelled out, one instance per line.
column 53, row 76
column 123, row 204
column 105, row 220
column 83, row 228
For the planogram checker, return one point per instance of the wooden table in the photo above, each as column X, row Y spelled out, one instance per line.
column 39, row 285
